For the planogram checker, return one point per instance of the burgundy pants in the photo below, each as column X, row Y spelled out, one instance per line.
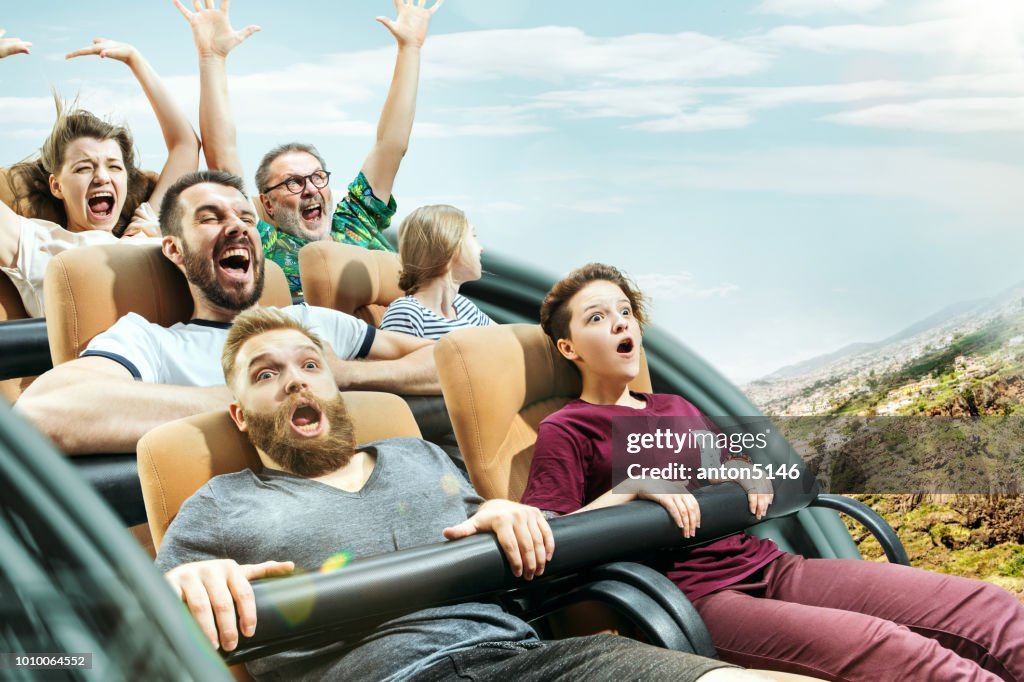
column 841, row 619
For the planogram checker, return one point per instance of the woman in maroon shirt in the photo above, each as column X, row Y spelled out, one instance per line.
column 831, row 618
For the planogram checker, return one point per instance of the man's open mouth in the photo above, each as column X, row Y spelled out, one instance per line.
column 625, row 347
column 313, row 212
column 307, row 419
column 101, row 205
column 235, row 260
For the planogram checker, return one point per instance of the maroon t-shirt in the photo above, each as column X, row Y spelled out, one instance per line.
column 572, row 466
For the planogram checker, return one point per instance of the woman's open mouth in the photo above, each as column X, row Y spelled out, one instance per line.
column 100, row 206
column 625, row 347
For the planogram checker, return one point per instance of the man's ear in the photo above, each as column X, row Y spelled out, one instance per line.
column 268, row 208
column 55, row 187
column 565, row 348
column 172, row 251
column 238, row 416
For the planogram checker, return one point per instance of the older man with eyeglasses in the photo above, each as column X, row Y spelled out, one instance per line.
column 292, row 179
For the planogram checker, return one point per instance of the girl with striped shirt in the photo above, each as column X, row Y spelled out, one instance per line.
column 439, row 252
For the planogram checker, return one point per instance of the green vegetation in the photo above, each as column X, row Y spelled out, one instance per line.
column 938, row 364
column 973, row 536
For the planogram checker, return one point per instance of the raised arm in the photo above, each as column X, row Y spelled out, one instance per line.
column 396, row 363
column 180, row 138
column 214, row 39
column 395, row 126
column 9, row 226
column 93, row 405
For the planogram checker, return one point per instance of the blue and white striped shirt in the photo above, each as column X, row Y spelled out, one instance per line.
column 409, row 316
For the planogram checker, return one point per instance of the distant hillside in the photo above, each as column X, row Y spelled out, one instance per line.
column 818, row 362
column 921, row 326
column 965, row 360
column 847, row 378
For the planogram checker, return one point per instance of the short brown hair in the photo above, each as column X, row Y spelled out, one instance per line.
column 252, row 323
column 428, row 239
column 170, row 208
column 554, row 311
column 29, row 180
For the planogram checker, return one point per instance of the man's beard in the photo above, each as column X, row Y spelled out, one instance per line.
column 199, row 270
column 290, row 222
column 308, row 457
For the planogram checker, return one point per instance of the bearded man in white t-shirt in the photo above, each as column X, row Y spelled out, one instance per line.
column 138, row 374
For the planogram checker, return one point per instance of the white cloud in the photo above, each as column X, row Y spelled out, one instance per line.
column 679, row 285
column 620, row 102
column 986, row 192
column 961, row 115
column 924, row 37
column 567, row 54
column 984, row 32
column 1005, row 83
column 669, row 108
column 703, row 118
column 771, row 97
column 802, row 8
column 25, row 110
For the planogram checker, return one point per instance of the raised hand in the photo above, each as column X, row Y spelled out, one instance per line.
column 122, row 52
column 410, row 26
column 9, row 46
column 211, row 28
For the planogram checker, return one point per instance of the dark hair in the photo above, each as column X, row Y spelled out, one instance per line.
column 29, row 180
column 263, row 170
column 170, row 207
column 554, row 311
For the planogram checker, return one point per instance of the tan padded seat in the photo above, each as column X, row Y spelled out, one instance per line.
column 11, row 308
column 89, row 289
column 499, row 383
column 349, row 278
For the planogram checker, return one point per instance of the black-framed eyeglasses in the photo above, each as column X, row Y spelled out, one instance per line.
column 297, row 183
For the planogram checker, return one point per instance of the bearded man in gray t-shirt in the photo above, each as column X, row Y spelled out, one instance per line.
column 318, row 496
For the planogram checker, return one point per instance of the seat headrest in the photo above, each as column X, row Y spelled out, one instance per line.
column 89, row 289
column 11, row 308
column 349, row 278
column 178, row 458
column 499, row 383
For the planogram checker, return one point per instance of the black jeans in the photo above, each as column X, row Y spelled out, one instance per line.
column 597, row 657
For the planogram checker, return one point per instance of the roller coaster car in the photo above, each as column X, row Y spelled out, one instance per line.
column 71, row 579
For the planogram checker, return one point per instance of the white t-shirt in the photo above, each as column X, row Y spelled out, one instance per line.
column 188, row 353
column 409, row 316
column 38, row 242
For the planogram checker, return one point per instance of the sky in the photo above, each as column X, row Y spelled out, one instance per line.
column 782, row 177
